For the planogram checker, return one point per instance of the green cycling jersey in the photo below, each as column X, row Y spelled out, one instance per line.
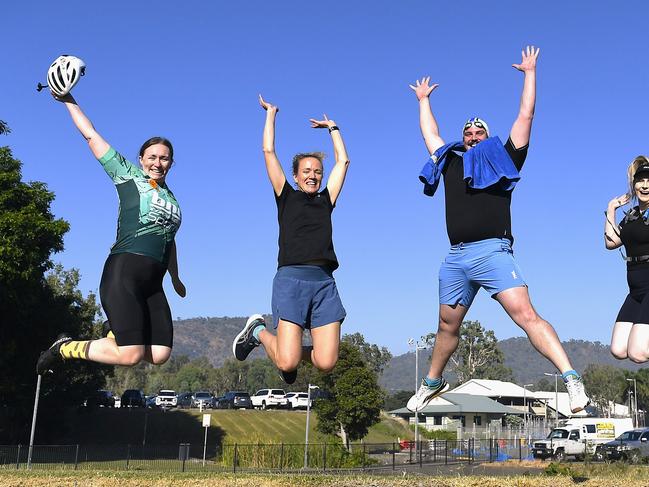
column 149, row 214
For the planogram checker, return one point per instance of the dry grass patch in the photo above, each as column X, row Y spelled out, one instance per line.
column 82, row 479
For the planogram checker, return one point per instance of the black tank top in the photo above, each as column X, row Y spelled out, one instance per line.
column 305, row 231
column 634, row 233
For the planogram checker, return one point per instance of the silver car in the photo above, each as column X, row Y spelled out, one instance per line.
column 631, row 446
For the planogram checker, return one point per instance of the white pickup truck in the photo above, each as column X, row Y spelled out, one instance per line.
column 166, row 399
column 269, row 398
column 578, row 437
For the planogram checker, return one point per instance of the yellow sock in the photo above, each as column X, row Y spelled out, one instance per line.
column 110, row 335
column 75, row 349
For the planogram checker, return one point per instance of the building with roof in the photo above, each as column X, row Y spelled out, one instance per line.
column 457, row 409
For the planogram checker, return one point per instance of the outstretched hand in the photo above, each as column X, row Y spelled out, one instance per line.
column 529, row 54
column 322, row 124
column 615, row 203
column 422, row 88
column 269, row 107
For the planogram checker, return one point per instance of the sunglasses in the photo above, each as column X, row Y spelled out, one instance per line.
column 477, row 123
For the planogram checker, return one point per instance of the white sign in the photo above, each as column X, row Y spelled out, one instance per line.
column 207, row 420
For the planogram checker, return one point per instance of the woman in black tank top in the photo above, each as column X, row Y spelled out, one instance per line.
column 630, row 337
column 304, row 291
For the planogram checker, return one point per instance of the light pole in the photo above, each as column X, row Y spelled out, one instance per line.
column 525, row 405
column 635, row 403
column 415, row 343
column 556, row 396
column 306, row 435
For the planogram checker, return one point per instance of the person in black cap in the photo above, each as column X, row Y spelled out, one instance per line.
column 630, row 337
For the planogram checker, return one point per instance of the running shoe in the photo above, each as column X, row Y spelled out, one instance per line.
column 51, row 357
column 245, row 342
column 425, row 394
column 576, row 393
column 288, row 377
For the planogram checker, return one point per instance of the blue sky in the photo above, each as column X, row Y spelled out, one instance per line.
column 192, row 70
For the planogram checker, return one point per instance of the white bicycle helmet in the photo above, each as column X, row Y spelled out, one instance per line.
column 64, row 73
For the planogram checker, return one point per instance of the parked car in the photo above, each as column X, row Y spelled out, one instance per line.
column 101, row 398
column 202, row 399
column 235, row 400
column 631, row 446
column 297, row 400
column 184, row 400
column 133, row 398
column 166, row 398
column 269, row 398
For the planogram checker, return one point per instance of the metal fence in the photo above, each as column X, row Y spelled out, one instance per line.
column 263, row 457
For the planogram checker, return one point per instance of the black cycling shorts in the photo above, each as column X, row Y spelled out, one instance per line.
column 134, row 302
column 636, row 305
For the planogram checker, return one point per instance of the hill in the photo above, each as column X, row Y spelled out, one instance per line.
column 212, row 338
column 526, row 363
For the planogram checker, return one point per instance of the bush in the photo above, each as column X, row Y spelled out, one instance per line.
column 435, row 434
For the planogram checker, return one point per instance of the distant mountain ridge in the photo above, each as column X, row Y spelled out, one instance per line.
column 212, row 338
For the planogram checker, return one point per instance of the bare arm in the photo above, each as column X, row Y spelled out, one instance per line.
column 339, row 171
column 273, row 166
column 97, row 144
column 172, row 268
column 611, row 231
column 522, row 128
column 427, row 122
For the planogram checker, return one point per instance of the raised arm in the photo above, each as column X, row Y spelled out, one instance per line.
column 172, row 268
column 273, row 166
column 611, row 231
column 97, row 144
column 520, row 132
column 339, row 171
column 427, row 122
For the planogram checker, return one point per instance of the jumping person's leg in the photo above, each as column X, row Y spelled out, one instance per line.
column 638, row 345
column 456, row 293
column 620, row 339
column 326, row 344
column 285, row 349
column 517, row 304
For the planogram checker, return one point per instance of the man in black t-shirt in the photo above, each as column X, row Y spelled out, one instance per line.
column 478, row 223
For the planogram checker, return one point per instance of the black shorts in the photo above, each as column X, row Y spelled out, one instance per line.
column 636, row 305
column 134, row 302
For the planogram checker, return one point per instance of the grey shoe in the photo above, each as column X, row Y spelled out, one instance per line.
column 245, row 342
column 425, row 394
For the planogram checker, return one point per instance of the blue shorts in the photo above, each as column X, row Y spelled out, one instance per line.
column 469, row 266
column 307, row 296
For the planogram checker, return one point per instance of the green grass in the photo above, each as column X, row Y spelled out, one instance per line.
column 126, row 426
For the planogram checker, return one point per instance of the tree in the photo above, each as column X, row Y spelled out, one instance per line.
column 605, row 385
column 34, row 306
column 354, row 398
column 4, row 128
column 396, row 400
column 376, row 358
column 477, row 355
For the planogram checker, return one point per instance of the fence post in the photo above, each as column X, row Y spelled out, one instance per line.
column 393, row 454
column 18, row 459
column 128, row 455
column 434, row 450
column 234, row 459
column 76, row 457
column 446, row 452
column 490, row 447
column 281, row 457
column 471, row 445
column 420, row 455
column 363, row 456
column 520, row 451
column 410, row 452
column 324, row 456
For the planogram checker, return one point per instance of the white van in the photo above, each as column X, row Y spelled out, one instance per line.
column 577, row 437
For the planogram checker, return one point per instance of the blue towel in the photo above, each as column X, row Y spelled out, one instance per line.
column 485, row 165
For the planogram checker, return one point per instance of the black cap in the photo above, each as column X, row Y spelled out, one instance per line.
column 644, row 168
